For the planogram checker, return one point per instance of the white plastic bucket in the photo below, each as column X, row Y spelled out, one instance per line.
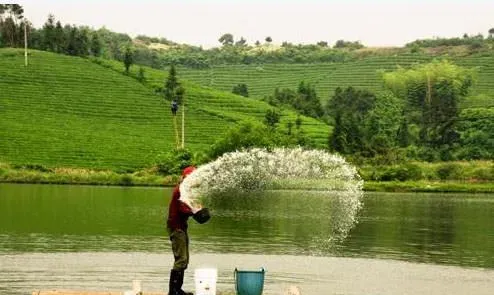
column 205, row 279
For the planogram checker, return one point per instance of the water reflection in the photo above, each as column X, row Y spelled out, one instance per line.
column 432, row 228
column 311, row 222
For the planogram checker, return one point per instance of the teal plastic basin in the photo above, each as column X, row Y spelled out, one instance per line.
column 249, row 282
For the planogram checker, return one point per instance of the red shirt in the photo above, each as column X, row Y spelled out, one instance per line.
column 178, row 212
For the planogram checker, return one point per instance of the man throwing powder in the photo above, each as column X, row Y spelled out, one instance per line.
column 178, row 214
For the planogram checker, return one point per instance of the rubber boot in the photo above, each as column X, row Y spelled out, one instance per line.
column 173, row 285
column 181, row 282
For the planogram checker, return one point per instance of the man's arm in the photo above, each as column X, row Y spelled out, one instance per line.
column 187, row 208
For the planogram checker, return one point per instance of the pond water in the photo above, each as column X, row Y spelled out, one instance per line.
column 101, row 238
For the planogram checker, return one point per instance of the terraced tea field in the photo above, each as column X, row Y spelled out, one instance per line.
column 68, row 111
column 263, row 79
column 225, row 105
column 73, row 112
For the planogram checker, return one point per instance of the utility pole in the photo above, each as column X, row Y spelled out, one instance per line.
column 183, row 123
column 25, row 43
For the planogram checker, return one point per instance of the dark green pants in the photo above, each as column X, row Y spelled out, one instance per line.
column 180, row 248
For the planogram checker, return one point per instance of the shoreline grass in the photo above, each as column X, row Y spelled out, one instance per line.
column 149, row 177
column 449, row 186
column 76, row 176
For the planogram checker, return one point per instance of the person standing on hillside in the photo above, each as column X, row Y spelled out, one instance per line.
column 178, row 214
column 174, row 107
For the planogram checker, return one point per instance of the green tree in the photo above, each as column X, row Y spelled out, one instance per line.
column 77, row 41
column 272, row 118
column 350, row 108
column 241, row 42
column 403, row 135
column 476, row 127
column 432, row 93
column 337, row 140
column 49, row 36
column 289, row 127
column 60, row 39
column 348, row 44
column 382, row 123
column 268, row 39
column 72, row 48
column 226, row 39
column 253, row 134
column 128, row 58
column 298, row 122
column 95, row 44
column 140, row 75
column 83, row 41
column 307, row 101
column 491, row 33
column 241, row 89
column 173, row 89
column 9, row 26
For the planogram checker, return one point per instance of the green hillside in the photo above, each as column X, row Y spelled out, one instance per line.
column 71, row 112
column 263, row 79
column 222, row 104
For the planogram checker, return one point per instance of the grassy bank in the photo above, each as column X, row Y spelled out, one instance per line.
column 429, row 186
column 149, row 177
column 39, row 174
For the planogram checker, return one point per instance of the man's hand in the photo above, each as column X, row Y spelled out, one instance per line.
column 196, row 207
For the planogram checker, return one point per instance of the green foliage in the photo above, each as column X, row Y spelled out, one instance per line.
column 441, row 171
column 438, row 42
column 77, row 41
column 174, row 161
column 148, row 53
column 382, row 124
column 34, row 167
column 350, row 108
column 141, row 76
column 173, row 88
column 128, row 58
column 68, row 39
column 241, row 89
column 250, row 134
column 433, row 92
column 491, row 33
column 96, row 45
column 226, row 39
column 49, row 34
column 304, row 100
column 403, row 134
column 476, row 127
column 401, row 173
column 82, row 176
column 449, row 171
column 348, row 44
column 415, row 48
column 11, row 25
column 483, row 173
column 149, row 40
column 241, row 42
column 272, row 118
column 126, row 180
